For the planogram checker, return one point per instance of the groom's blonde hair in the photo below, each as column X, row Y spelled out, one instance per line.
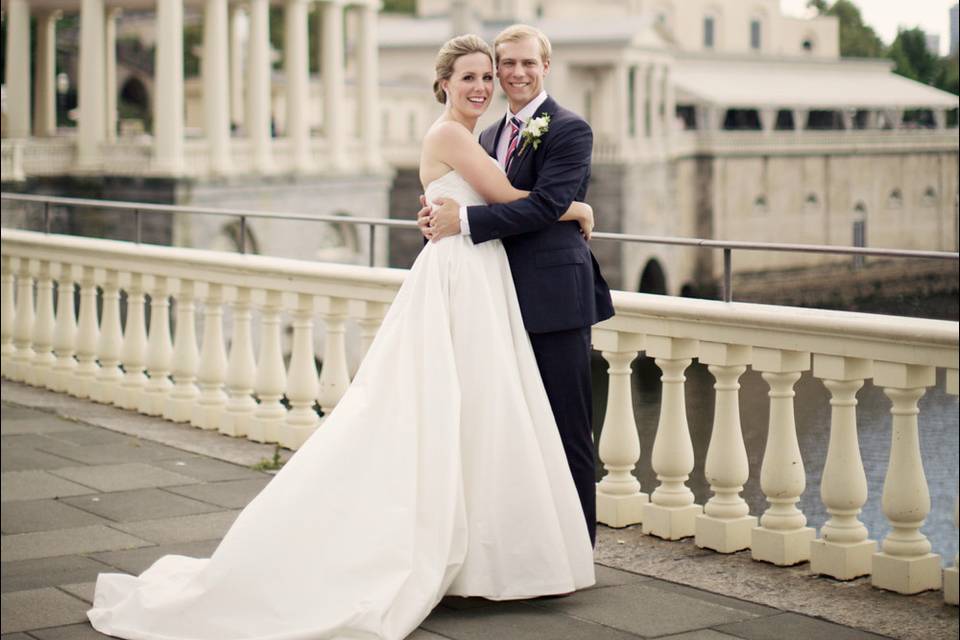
column 517, row 32
column 451, row 51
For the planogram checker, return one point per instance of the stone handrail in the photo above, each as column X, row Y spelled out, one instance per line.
column 198, row 381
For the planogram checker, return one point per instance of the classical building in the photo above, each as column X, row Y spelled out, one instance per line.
column 712, row 118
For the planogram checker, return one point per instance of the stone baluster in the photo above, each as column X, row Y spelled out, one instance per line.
column 241, row 371
column 671, row 512
column 619, row 498
column 64, row 332
column 270, row 415
column 159, row 350
column 302, row 381
column 212, row 401
column 951, row 584
column 110, row 343
column 183, row 396
column 23, row 324
column 334, row 377
column 42, row 366
column 843, row 550
column 726, row 523
column 905, row 564
column 373, row 315
column 7, row 315
column 88, row 335
column 134, row 350
column 782, row 537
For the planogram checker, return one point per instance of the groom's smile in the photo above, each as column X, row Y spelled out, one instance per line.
column 521, row 67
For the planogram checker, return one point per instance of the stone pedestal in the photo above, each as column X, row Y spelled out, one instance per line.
column 621, row 511
column 842, row 561
column 724, row 535
column 781, row 547
column 906, row 575
column 670, row 523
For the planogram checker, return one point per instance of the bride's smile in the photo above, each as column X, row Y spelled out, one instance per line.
column 469, row 88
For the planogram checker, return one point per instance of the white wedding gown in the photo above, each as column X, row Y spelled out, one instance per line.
column 440, row 472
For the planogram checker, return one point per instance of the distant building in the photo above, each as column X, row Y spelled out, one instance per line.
column 933, row 43
column 954, row 28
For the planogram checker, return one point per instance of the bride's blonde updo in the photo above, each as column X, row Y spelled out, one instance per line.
column 449, row 53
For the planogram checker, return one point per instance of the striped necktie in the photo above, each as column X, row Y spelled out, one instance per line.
column 516, row 124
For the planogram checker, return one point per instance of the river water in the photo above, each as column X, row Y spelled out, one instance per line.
column 938, row 441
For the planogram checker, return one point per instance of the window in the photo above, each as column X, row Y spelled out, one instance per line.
column 632, row 102
column 760, row 204
column 709, row 37
column 807, row 45
column 895, row 199
column 859, row 231
column 755, row 34
column 929, row 197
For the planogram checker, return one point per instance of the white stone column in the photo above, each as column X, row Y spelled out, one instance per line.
column 843, row 550
column 88, row 336
column 656, row 102
column 241, row 370
column 782, row 537
column 91, row 92
column 159, row 350
column 800, row 120
column 369, row 86
column 726, row 522
column 334, row 125
column 619, row 499
column 334, row 376
column 18, row 69
column 110, row 74
column 134, row 350
column 212, row 373
column 45, row 81
column 7, row 315
column 110, row 342
column 270, row 415
column 216, row 97
column 168, row 96
column 179, row 405
column 23, row 324
column 905, row 563
column 43, row 359
column 258, row 87
column 237, row 51
column 669, row 102
column 671, row 513
column 297, row 66
column 768, row 119
column 65, row 331
column 302, row 384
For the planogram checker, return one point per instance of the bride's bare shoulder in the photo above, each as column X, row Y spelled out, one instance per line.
column 444, row 132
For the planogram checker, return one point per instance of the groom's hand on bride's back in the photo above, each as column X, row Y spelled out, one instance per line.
column 423, row 217
column 440, row 219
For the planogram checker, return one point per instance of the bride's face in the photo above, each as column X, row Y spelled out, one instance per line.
column 470, row 87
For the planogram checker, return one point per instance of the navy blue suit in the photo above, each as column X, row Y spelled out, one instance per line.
column 558, row 281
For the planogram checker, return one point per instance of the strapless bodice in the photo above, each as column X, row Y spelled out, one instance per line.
column 452, row 185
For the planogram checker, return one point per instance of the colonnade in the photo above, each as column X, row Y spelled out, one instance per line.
column 236, row 83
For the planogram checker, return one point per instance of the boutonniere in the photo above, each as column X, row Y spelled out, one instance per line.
column 532, row 134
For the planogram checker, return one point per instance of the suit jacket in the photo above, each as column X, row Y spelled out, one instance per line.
column 558, row 281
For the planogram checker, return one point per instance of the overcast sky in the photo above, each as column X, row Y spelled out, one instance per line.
column 885, row 15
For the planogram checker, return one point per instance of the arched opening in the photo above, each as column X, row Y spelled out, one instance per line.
column 134, row 106
column 653, row 279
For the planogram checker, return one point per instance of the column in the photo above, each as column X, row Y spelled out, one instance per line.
column 333, row 83
column 216, row 99
column 258, row 89
column 43, row 360
column 45, row 82
column 88, row 336
column 270, row 415
column 800, row 120
column 65, row 331
column 159, row 350
column 91, row 91
column 18, row 69
column 726, row 522
column 369, row 87
column 134, row 350
column 241, row 370
column 110, row 74
column 369, row 323
column 619, row 499
column 236, row 66
column 334, row 377
column 298, row 82
column 782, row 537
column 669, row 102
column 211, row 404
column 179, row 405
column 110, row 342
column 768, row 119
column 23, row 324
column 168, row 96
column 843, row 550
column 671, row 513
column 905, row 564
column 302, row 383
column 7, row 314
column 656, row 102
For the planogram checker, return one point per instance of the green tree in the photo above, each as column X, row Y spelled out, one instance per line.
column 399, row 6
column 911, row 57
column 857, row 39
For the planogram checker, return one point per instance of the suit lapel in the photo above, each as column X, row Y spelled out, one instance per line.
column 549, row 106
column 490, row 138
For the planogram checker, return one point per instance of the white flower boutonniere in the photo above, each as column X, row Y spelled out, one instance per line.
column 533, row 132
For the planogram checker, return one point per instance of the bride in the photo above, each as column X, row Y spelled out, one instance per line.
column 440, row 472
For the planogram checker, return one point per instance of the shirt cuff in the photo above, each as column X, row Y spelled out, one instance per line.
column 464, row 222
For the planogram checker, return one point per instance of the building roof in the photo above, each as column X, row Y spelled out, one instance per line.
column 813, row 85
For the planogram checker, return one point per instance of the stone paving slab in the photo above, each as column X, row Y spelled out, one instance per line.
column 37, row 608
column 26, row 516
column 516, row 621
column 43, row 423
column 232, row 494
column 36, row 485
column 90, row 436
column 16, row 412
column 205, row 526
column 715, row 598
column 208, row 469
column 795, row 627
column 64, row 542
column 123, row 477
column 82, row 590
column 71, row 632
column 49, row 572
column 17, row 458
column 140, row 504
column 27, row 440
column 131, row 450
column 643, row 610
column 136, row 561
column 705, row 634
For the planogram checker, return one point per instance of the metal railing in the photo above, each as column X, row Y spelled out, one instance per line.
column 726, row 246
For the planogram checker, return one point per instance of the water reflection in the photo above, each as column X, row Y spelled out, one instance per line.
column 938, row 441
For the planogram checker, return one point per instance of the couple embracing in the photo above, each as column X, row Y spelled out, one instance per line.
column 460, row 460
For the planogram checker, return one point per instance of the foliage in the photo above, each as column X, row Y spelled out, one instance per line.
column 399, row 6
column 274, row 464
column 911, row 57
column 857, row 39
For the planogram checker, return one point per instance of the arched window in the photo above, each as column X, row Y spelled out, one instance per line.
column 811, row 204
column 709, row 32
column 756, row 34
column 895, row 199
column 760, row 205
column 653, row 279
column 808, row 44
column 929, row 198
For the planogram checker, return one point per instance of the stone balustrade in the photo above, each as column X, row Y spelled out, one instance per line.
column 249, row 388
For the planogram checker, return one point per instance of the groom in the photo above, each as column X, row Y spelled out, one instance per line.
column 558, row 281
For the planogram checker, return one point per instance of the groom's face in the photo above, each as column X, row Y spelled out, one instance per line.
column 521, row 70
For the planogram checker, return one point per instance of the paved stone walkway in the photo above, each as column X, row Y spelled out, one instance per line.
column 79, row 499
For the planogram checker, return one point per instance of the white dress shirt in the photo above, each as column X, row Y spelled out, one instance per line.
column 524, row 115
